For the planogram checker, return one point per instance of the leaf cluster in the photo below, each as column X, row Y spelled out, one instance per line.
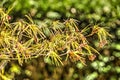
column 22, row 40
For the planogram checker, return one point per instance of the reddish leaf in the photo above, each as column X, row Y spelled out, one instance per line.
column 91, row 57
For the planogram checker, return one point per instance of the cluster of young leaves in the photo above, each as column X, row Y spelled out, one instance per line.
column 21, row 40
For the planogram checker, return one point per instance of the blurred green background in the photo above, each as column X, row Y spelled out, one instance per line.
column 103, row 12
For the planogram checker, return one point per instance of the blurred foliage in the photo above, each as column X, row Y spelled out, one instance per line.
column 105, row 12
